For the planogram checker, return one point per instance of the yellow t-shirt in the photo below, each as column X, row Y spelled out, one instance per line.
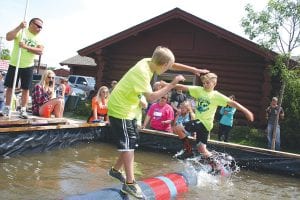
column 207, row 104
column 27, row 58
column 125, row 98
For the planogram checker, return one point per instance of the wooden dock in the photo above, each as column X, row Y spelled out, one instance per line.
column 38, row 134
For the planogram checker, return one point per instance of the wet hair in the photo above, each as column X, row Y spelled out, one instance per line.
column 209, row 77
column 162, row 55
column 35, row 19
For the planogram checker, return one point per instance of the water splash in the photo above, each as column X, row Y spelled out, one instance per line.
column 219, row 164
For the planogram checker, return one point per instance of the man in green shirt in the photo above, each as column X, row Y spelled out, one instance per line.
column 124, row 104
column 30, row 47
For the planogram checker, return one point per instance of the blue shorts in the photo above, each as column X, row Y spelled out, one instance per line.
column 24, row 73
column 199, row 128
column 125, row 132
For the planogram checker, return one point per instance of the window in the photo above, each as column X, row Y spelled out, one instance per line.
column 72, row 79
column 81, row 80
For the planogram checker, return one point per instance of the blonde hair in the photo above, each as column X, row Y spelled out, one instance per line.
column 102, row 88
column 43, row 81
column 187, row 105
column 162, row 55
column 209, row 77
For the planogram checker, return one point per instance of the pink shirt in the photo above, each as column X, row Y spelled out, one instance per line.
column 157, row 114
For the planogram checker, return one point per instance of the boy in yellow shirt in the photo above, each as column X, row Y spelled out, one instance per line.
column 124, row 103
column 207, row 102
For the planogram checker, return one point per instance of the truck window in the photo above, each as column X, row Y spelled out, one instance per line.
column 80, row 80
column 72, row 79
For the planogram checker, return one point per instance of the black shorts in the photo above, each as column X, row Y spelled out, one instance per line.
column 125, row 132
column 199, row 128
column 24, row 73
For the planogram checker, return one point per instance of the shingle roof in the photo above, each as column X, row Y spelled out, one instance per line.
column 79, row 60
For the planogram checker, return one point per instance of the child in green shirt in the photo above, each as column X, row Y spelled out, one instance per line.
column 124, row 104
column 207, row 102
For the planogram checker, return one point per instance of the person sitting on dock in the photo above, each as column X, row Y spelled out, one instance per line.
column 44, row 102
column 184, row 114
column 160, row 115
column 99, row 106
column 207, row 101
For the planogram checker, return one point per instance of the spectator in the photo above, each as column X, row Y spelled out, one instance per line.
column 176, row 99
column 30, row 47
column 61, row 89
column 226, row 121
column 68, row 89
column 160, row 115
column 271, row 114
column 156, row 86
column 99, row 106
column 184, row 114
column 113, row 85
column 44, row 102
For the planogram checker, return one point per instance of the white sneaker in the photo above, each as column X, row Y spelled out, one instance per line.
column 23, row 113
column 5, row 111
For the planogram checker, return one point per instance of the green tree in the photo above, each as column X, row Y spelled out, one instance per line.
column 277, row 27
column 5, row 54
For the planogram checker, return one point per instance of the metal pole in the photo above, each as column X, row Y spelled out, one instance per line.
column 18, row 63
column 39, row 64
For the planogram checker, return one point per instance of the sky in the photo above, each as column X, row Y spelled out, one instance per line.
column 70, row 25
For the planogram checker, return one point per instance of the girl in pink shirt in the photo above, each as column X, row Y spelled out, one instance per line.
column 160, row 115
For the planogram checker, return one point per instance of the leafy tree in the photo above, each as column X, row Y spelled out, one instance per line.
column 277, row 27
column 5, row 54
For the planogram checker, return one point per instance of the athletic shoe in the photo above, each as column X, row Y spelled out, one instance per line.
column 23, row 114
column 116, row 174
column 183, row 155
column 5, row 111
column 132, row 189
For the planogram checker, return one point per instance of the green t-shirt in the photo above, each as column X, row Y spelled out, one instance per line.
column 27, row 57
column 207, row 104
column 125, row 98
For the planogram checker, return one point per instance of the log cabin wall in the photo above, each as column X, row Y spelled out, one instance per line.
column 240, row 72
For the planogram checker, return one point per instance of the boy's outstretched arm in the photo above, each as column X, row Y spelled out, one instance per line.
column 181, row 87
column 177, row 87
column 153, row 96
column 249, row 115
column 194, row 70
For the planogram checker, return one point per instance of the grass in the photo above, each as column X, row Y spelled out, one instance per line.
column 249, row 136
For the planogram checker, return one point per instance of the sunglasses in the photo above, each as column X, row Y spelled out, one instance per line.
column 164, row 97
column 40, row 27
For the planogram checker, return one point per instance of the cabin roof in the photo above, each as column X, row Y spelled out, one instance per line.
column 79, row 60
column 177, row 13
